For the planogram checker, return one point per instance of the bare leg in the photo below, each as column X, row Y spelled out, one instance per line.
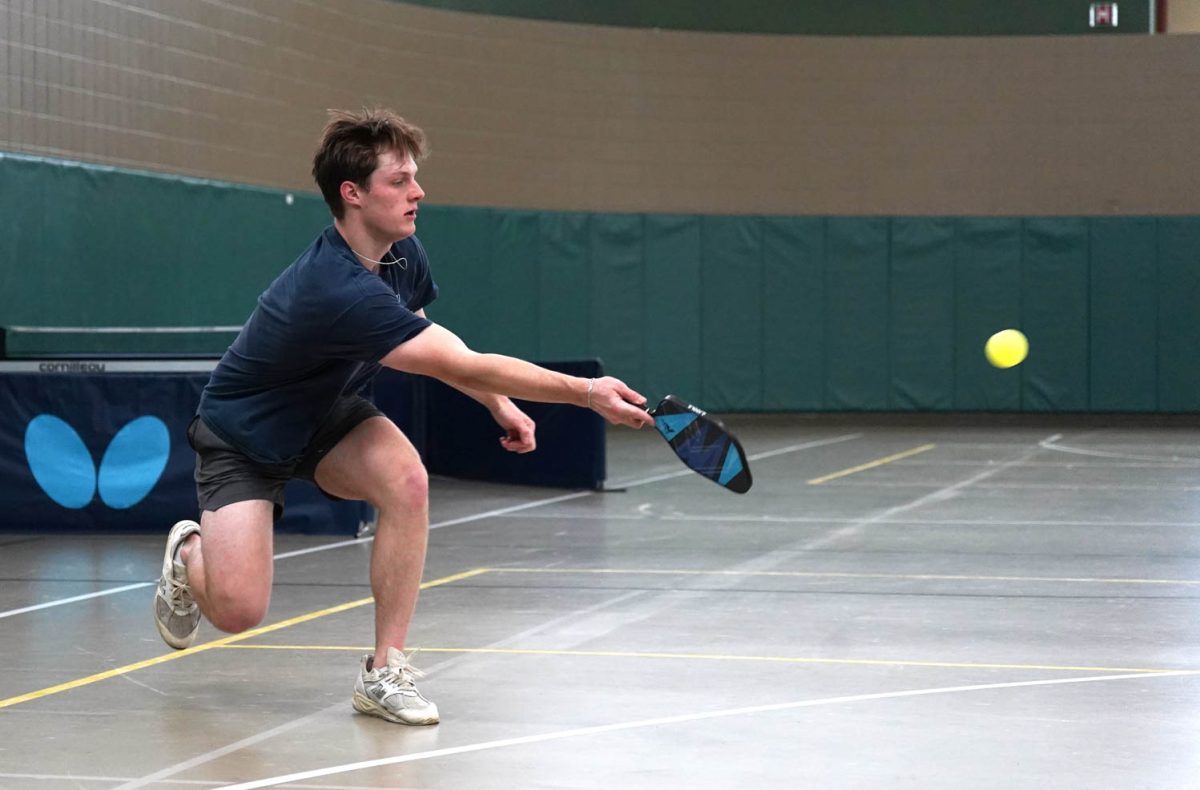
column 376, row 462
column 230, row 564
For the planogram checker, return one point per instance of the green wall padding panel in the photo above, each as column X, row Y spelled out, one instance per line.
column 1123, row 314
column 459, row 240
column 141, row 249
column 793, row 309
column 987, row 275
column 15, row 271
column 1054, row 314
column 1179, row 314
column 673, row 307
column 619, row 296
column 732, row 313
column 732, row 331
column 922, row 313
column 515, row 284
column 856, row 315
column 565, row 299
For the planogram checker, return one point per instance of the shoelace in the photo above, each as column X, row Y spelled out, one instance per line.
column 401, row 681
column 179, row 594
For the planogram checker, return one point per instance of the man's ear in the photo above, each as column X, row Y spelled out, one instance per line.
column 351, row 193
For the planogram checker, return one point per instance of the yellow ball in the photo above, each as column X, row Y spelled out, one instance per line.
column 1006, row 348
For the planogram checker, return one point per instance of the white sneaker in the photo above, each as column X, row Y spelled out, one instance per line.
column 389, row 693
column 175, row 611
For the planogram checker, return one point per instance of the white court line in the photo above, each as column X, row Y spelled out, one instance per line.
column 512, row 509
column 934, row 522
column 930, row 577
column 1027, row 486
column 1051, row 444
column 679, row 719
column 298, row 552
column 1099, row 465
column 941, row 495
column 450, row 522
column 755, row 457
column 165, row 773
column 259, row 737
column 77, row 778
column 73, row 599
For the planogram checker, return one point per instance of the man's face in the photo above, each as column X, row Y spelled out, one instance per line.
column 389, row 205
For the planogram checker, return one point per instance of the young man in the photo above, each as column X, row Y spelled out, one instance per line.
column 283, row 403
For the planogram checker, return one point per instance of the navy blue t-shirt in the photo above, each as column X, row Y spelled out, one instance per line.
column 317, row 334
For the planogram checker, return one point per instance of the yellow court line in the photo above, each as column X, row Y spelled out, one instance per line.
column 726, row 657
column 871, row 464
column 850, row 575
column 223, row 642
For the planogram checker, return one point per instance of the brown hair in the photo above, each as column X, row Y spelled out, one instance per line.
column 351, row 145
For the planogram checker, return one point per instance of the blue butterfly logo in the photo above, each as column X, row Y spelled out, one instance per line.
column 63, row 467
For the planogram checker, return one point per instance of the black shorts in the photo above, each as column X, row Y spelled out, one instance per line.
column 224, row 475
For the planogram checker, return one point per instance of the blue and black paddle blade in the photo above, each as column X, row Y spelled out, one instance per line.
column 703, row 443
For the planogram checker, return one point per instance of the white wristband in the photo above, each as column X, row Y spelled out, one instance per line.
column 591, row 383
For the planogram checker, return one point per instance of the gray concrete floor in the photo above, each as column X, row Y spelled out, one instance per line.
column 914, row 602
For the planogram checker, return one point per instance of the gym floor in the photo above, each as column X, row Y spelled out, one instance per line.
column 926, row 601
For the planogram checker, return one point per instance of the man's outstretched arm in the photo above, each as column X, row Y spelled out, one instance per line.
column 439, row 353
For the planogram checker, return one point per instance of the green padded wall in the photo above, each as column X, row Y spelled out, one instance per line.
column 856, row 313
column 671, row 309
column 921, row 299
column 793, row 308
column 514, row 322
column 1054, row 310
column 565, row 298
column 618, row 318
column 1178, row 300
column 987, row 287
column 464, row 253
column 97, row 246
column 734, row 313
column 1123, row 314
column 731, row 326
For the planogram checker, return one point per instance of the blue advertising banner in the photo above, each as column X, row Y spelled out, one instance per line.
column 457, row 437
column 94, row 445
column 101, row 446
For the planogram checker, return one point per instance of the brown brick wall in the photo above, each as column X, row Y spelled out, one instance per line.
column 554, row 116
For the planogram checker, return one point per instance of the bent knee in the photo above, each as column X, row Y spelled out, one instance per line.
column 407, row 489
column 236, row 616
